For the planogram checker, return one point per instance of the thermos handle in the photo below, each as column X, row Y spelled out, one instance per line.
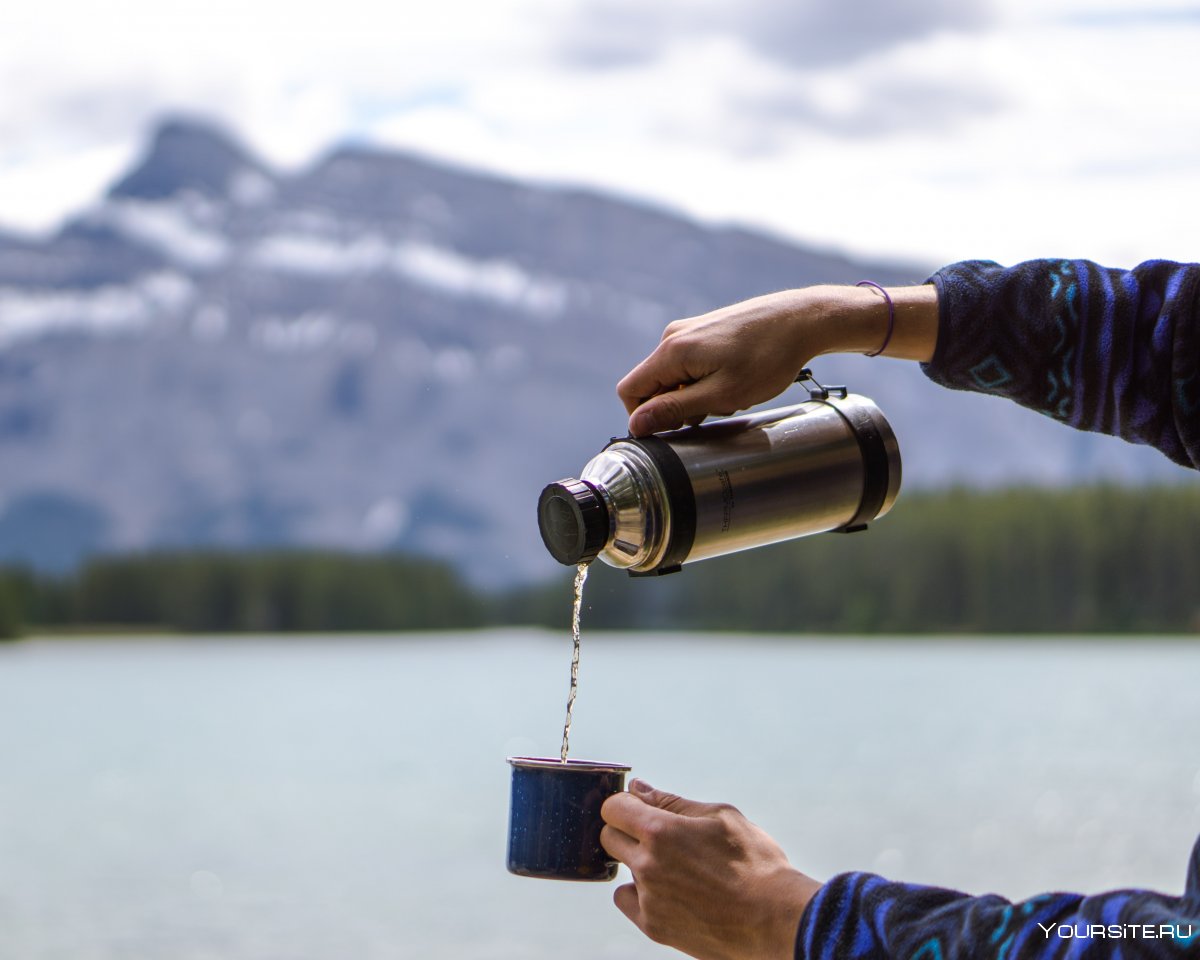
column 821, row 392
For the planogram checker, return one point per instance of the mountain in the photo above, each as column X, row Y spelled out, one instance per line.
column 384, row 351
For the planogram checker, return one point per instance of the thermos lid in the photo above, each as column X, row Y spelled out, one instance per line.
column 573, row 521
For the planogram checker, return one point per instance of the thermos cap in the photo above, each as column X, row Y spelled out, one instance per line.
column 573, row 521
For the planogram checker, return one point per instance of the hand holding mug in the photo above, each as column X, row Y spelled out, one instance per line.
column 706, row 880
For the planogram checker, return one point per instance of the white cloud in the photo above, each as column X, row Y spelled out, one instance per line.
column 606, row 33
column 1063, row 127
column 290, row 78
column 1037, row 138
column 41, row 179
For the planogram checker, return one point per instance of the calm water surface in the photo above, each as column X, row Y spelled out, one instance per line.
column 264, row 799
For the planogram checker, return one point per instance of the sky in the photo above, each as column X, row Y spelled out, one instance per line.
column 926, row 131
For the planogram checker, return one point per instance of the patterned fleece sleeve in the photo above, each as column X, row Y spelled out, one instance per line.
column 1106, row 350
column 860, row 916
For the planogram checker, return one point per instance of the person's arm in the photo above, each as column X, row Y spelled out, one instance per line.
column 1114, row 351
column 749, row 352
column 1106, row 350
column 709, row 883
column 860, row 916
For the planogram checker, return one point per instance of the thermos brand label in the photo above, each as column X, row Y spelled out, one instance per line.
column 726, row 500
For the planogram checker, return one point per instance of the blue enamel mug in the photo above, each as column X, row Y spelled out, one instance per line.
column 554, row 821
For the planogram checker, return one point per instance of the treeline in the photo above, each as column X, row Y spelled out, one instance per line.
column 1090, row 560
column 217, row 592
column 1098, row 559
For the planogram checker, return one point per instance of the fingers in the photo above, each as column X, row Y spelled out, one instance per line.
column 619, row 845
column 631, row 816
column 667, row 411
column 626, row 899
column 671, row 802
column 648, row 379
column 733, row 358
column 688, row 404
column 676, row 361
column 644, row 813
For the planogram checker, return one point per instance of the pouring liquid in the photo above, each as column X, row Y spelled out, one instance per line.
column 580, row 576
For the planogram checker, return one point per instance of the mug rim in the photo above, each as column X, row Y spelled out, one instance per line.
column 571, row 765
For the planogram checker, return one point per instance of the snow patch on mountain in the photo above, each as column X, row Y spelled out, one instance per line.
column 321, row 256
column 174, row 228
column 106, row 310
column 499, row 280
column 439, row 268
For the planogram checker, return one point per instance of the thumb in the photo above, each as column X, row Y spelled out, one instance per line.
column 671, row 802
column 689, row 403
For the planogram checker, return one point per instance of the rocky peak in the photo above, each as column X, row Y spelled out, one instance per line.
column 188, row 154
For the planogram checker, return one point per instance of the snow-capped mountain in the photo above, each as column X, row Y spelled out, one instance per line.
column 382, row 351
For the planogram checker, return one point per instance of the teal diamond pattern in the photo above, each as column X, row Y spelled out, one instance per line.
column 990, row 374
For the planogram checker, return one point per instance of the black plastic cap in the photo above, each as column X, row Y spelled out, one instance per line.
column 573, row 521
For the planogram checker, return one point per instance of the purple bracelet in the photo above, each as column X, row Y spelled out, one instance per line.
column 891, row 315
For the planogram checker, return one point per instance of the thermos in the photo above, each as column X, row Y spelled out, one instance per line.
column 649, row 505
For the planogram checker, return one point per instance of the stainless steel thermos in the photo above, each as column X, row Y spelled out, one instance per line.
column 652, row 504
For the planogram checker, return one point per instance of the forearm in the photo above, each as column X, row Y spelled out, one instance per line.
column 855, row 320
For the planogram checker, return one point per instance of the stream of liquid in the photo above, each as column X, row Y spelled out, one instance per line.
column 580, row 577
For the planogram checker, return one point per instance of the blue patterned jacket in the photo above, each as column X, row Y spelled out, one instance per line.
column 1106, row 350
column 1115, row 351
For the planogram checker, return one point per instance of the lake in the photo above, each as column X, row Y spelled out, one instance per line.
column 346, row 797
